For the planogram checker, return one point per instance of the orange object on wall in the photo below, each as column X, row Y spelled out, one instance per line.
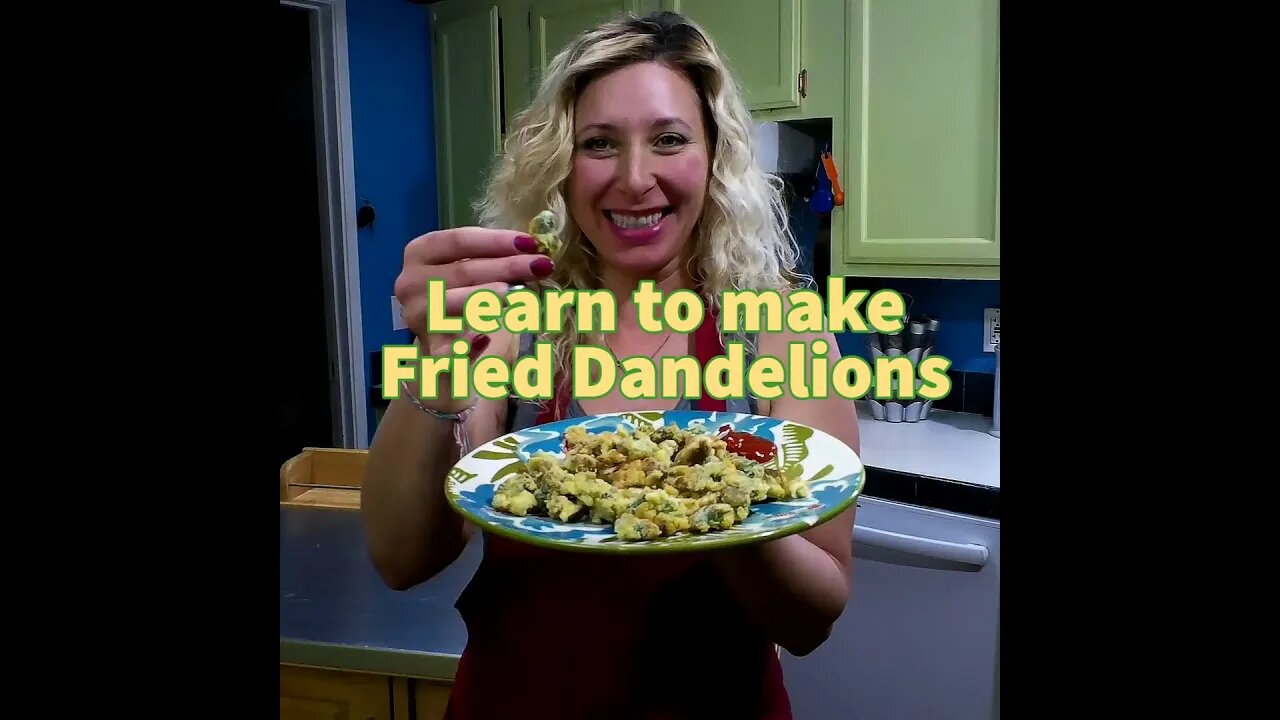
column 830, row 164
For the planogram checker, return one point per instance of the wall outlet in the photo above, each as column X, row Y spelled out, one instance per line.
column 990, row 329
column 397, row 315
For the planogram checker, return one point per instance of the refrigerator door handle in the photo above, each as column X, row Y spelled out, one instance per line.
column 959, row 553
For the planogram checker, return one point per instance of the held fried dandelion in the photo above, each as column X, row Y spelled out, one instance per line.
column 543, row 230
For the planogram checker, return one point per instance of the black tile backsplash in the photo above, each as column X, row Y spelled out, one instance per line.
column 971, row 392
column 938, row 493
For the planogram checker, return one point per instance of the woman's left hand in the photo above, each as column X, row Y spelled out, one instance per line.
column 796, row 587
column 791, row 587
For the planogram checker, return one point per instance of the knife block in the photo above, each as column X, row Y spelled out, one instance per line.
column 896, row 411
column 900, row 410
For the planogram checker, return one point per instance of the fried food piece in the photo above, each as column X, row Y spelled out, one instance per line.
column 563, row 508
column 718, row 517
column 629, row 527
column 542, row 229
column 648, row 483
column 697, row 450
column 515, row 495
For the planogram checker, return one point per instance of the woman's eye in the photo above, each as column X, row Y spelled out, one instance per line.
column 671, row 140
column 595, row 144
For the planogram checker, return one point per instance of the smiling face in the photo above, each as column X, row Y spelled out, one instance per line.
column 640, row 166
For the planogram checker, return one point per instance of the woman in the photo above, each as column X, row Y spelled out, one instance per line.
column 641, row 144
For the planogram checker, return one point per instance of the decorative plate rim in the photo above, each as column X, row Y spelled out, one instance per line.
column 716, row 540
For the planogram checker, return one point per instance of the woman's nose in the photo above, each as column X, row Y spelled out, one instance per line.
column 636, row 173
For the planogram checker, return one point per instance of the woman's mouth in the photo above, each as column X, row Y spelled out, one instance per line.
column 637, row 228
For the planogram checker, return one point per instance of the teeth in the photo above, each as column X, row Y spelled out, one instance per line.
column 632, row 222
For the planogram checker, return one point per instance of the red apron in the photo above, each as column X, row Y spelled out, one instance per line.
column 569, row 636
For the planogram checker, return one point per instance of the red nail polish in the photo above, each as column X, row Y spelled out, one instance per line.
column 542, row 267
column 526, row 244
column 478, row 345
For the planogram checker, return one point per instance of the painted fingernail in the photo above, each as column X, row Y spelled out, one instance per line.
column 478, row 345
column 526, row 244
column 541, row 267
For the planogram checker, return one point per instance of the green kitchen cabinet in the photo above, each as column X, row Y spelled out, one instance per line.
column 761, row 38
column 920, row 167
column 554, row 23
column 761, row 42
column 911, row 88
column 535, row 30
column 468, row 103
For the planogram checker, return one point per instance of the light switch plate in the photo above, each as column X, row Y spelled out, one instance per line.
column 990, row 329
column 397, row 315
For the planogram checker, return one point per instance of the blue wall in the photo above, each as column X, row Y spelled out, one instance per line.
column 392, row 125
column 958, row 304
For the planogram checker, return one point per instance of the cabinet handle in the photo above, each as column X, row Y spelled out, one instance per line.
column 962, row 553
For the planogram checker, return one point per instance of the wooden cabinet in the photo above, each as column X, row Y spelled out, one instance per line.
column 921, row 163
column 554, row 23
column 468, row 105
column 314, row 694
column 911, row 87
column 321, row 694
column 760, row 40
column 430, row 699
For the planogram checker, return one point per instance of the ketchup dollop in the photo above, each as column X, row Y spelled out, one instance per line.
column 752, row 447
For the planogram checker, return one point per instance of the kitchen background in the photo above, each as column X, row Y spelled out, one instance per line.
column 923, row 641
column 393, row 131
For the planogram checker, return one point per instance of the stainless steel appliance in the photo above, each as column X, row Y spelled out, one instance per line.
column 920, row 636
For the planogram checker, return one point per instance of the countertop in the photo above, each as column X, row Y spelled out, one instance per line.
column 336, row 612
column 948, row 445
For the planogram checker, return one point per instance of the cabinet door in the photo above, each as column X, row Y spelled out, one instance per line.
column 760, row 40
column 468, row 107
column 554, row 23
column 312, row 694
column 430, row 699
column 921, row 174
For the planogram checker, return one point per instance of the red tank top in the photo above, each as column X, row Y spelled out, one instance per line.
column 569, row 636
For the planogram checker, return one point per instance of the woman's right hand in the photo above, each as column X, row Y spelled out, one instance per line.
column 467, row 259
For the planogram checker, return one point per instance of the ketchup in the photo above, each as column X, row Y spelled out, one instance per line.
column 752, row 447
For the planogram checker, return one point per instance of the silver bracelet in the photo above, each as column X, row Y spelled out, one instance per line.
column 457, row 418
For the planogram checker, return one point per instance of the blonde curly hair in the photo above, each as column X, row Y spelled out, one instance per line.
column 741, row 241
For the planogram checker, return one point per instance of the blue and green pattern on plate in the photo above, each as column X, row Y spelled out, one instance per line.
column 833, row 470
